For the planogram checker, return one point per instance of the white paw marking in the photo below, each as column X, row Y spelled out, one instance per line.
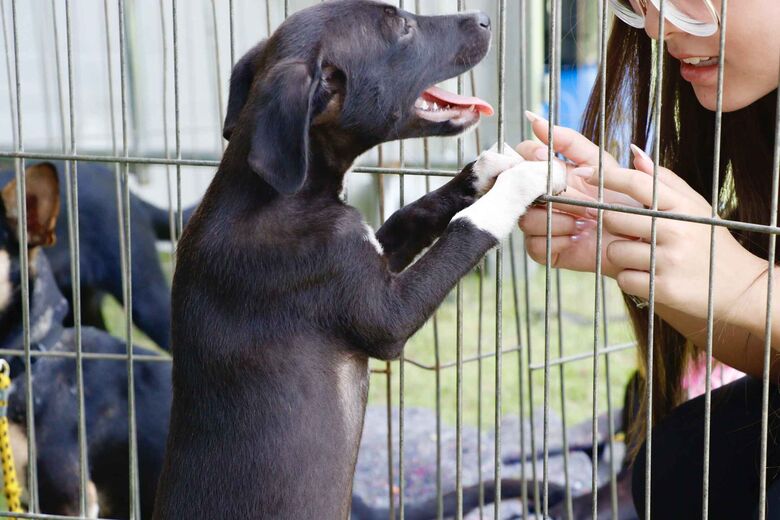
column 93, row 504
column 490, row 164
column 515, row 189
column 5, row 280
column 371, row 237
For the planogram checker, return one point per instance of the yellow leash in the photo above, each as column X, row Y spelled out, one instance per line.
column 10, row 485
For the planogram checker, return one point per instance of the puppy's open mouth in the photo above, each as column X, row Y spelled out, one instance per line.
column 438, row 106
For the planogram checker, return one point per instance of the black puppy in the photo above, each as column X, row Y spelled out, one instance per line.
column 106, row 419
column 100, row 253
column 54, row 379
column 281, row 294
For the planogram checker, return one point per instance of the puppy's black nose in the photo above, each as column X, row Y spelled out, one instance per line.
column 483, row 20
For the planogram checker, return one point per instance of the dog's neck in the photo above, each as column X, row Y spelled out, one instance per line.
column 332, row 154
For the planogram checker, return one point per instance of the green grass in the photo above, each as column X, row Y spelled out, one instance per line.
column 577, row 297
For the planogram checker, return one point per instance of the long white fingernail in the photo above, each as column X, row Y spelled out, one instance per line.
column 532, row 118
column 640, row 154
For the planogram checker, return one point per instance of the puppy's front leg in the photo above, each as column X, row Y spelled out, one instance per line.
column 393, row 307
column 415, row 226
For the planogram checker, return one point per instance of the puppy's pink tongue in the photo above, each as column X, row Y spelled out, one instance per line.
column 449, row 98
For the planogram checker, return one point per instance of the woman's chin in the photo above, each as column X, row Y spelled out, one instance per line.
column 708, row 98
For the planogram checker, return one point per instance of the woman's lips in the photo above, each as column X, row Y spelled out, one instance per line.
column 699, row 75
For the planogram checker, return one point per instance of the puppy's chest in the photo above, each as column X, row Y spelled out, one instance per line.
column 352, row 389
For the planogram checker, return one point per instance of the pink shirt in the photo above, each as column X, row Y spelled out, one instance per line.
column 694, row 381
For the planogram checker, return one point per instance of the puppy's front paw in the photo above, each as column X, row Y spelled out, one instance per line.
column 515, row 189
column 490, row 164
column 559, row 183
column 526, row 182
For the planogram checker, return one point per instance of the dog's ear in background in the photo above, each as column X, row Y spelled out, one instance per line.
column 43, row 204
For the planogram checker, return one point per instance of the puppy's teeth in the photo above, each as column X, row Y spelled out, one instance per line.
column 435, row 106
column 471, row 108
column 424, row 105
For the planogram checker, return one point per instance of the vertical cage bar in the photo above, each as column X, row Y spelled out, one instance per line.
column 768, row 326
column 71, row 176
column 436, row 347
column 128, row 281
column 599, row 296
column 268, row 17
column 562, row 382
column 118, row 178
column 232, row 18
column 402, row 360
column 600, row 278
column 459, row 352
column 177, row 115
column 499, row 260
column 218, row 67
column 388, row 365
column 653, row 235
column 21, row 201
column 529, row 360
column 168, row 178
column 613, row 491
column 524, row 74
column 58, row 72
column 552, row 95
column 715, row 199
column 518, row 326
column 480, row 323
column 112, row 119
column 9, row 77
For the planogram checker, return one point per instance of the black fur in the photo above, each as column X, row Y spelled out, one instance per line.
column 106, row 418
column 100, row 265
column 279, row 298
column 54, row 379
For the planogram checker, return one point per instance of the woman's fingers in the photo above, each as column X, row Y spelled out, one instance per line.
column 629, row 254
column 628, row 225
column 572, row 144
column 636, row 185
column 574, row 209
column 634, row 282
column 536, row 246
column 534, row 223
column 644, row 164
column 531, row 150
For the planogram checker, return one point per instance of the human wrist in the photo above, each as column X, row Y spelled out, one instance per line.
column 747, row 307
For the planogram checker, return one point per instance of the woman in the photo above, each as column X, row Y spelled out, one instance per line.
column 751, row 71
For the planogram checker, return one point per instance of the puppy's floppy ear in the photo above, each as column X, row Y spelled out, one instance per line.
column 240, row 83
column 282, row 101
column 43, row 204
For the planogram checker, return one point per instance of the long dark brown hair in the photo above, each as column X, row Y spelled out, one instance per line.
column 687, row 138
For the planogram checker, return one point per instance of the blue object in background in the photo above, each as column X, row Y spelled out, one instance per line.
column 576, row 86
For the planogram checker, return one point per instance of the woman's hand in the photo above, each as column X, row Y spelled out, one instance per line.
column 682, row 248
column 573, row 229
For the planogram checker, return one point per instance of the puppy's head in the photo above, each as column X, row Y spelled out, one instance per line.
column 43, row 208
column 338, row 78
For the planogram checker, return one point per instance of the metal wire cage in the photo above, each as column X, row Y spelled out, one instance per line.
column 389, row 175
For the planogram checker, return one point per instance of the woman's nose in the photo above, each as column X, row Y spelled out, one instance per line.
column 652, row 22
